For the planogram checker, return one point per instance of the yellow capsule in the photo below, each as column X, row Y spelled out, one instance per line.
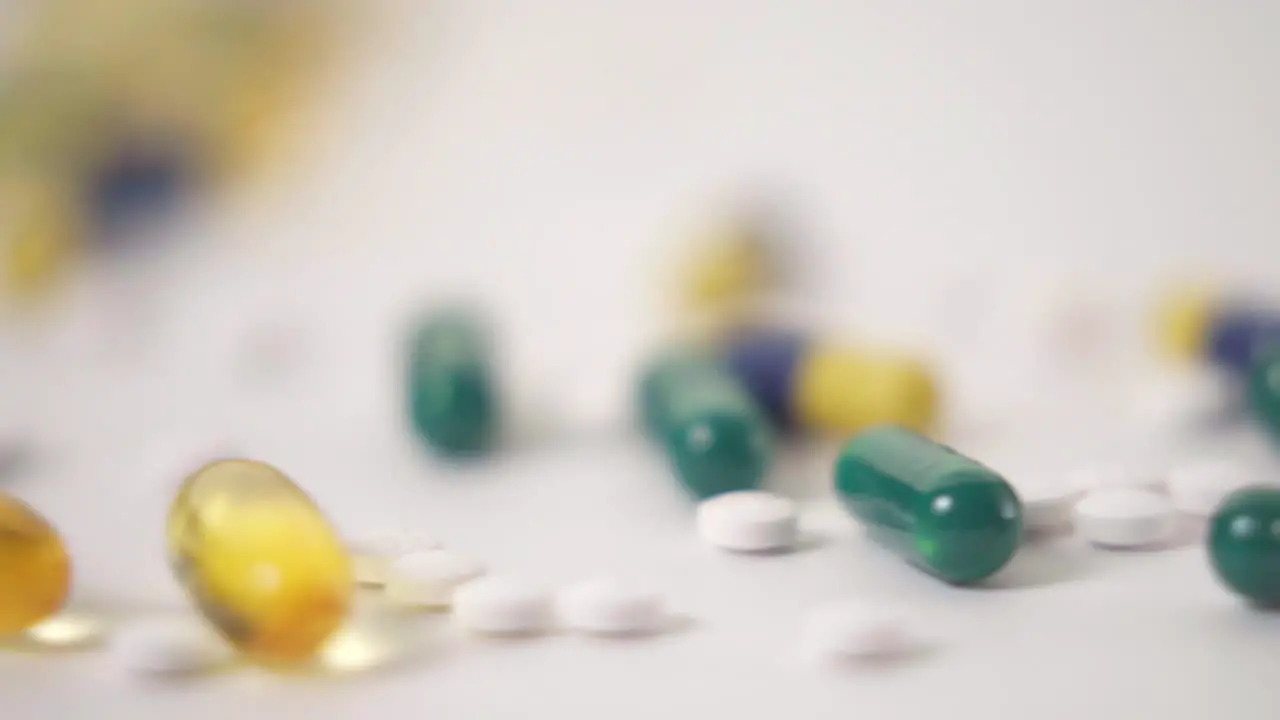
column 1183, row 322
column 731, row 268
column 35, row 571
column 259, row 560
column 841, row 392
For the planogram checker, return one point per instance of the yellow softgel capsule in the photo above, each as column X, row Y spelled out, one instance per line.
column 259, row 560
column 845, row 392
column 35, row 571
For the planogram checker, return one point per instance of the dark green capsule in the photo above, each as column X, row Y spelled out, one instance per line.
column 715, row 435
column 452, row 399
column 943, row 512
column 1244, row 544
column 1263, row 390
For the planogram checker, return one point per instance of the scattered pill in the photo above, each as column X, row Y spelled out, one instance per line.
column 853, row 630
column 1244, row 544
column 1198, row 488
column 612, row 606
column 451, row 390
column 502, row 606
column 748, row 521
column 1047, row 504
column 1125, row 518
column 429, row 578
column 373, row 554
column 35, row 567
column 169, row 649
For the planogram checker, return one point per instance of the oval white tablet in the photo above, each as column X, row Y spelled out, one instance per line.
column 1125, row 518
column 169, row 649
column 748, row 521
column 1197, row 488
column 852, row 629
column 1046, row 504
column 373, row 554
column 502, row 606
column 612, row 606
column 429, row 578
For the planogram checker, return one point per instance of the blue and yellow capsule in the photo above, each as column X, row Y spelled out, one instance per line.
column 808, row 385
column 1197, row 323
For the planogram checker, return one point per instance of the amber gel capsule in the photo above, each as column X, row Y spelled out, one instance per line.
column 715, row 435
column 259, row 560
column 943, row 512
column 35, row 571
column 1244, row 544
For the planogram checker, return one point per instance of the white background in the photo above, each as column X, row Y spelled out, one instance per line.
column 545, row 158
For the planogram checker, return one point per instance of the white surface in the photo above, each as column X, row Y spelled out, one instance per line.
column 748, row 521
column 169, row 648
column 852, row 630
column 1199, row 487
column 612, row 606
column 498, row 137
column 1125, row 518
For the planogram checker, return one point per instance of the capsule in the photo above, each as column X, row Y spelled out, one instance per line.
column 714, row 434
column 1262, row 391
column 944, row 513
column 810, row 386
column 1230, row 334
column 452, row 398
column 1244, row 544
column 728, row 269
column 35, row 570
column 259, row 560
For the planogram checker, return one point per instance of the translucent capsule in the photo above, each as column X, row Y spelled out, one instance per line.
column 943, row 512
column 1195, row 323
column 715, row 435
column 259, row 560
column 452, row 399
column 1244, row 544
column 830, row 389
column 35, row 571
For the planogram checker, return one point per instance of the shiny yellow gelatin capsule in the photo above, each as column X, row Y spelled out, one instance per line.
column 259, row 560
column 35, row 571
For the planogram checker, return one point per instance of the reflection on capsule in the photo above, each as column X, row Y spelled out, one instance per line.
column 806, row 385
column 1244, row 544
column 259, row 560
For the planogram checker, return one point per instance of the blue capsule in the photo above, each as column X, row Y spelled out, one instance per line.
column 765, row 362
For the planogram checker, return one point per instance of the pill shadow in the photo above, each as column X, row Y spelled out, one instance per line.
column 920, row 652
column 1044, row 562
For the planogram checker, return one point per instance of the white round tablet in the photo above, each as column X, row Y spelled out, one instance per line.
column 612, row 606
column 169, row 648
column 1197, row 488
column 1125, row 518
column 855, row 630
column 1046, row 504
column 429, row 578
column 373, row 554
column 502, row 606
column 1118, row 475
column 748, row 521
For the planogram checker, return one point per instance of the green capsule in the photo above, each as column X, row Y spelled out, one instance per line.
column 1244, row 544
column 715, row 435
column 452, row 400
column 943, row 512
column 1263, row 391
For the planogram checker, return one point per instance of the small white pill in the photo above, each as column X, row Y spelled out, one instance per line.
column 169, row 649
column 502, row 606
column 429, row 578
column 373, row 554
column 1197, row 488
column 1117, row 475
column 612, row 606
column 1046, row 504
column 1125, row 518
column 852, row 629
column 748, row 521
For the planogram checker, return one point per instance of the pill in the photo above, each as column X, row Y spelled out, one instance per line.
column 713, row 433
column 1263, row 391
column 1048, row 502
column 1118, row 475
column 452, row 397
column 502, row 606
column 1244, row 544
column 169, row 649
column 1125, row 518
column 35, row 569
column 748, row 521
column 429, row 578
column 1199, row 487
column 943, row 512
column 259, row 561
column 1230, row 333
column 855, row 630
column 373, row 554
column 612, row 606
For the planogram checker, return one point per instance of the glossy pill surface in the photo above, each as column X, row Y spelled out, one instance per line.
column 452, row 398
column 941, row 511
column 35, row 571
column 1244, row 544
column 259, row 560
column 1262, row 392
column 714, row 434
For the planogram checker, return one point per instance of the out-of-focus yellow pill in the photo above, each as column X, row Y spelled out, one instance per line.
column 259, row 560
column 35, row 570
column 844, row 392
